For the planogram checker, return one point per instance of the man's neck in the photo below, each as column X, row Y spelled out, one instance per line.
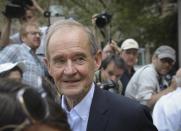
column 71, row 102
column 129, row 68
column 33, row 50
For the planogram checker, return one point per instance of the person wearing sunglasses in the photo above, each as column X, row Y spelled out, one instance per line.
column 146, row 84
column 24, row 109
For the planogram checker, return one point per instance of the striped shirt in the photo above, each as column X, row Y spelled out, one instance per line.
column 33, row 69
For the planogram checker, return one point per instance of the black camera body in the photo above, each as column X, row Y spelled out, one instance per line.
column 16, row 8
column 103, row 19
column 109, row 85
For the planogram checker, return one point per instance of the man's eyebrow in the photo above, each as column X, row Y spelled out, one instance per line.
column 80, row 54
column 58, row 57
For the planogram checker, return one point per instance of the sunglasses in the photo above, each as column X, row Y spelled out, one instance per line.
column 167, row 60
column 33, row 104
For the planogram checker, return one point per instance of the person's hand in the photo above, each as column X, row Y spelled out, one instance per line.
column 94, row 17
column 36, row 6
column 173, row 84
column 115, row 47
column 6, row 18
column 178, row 73
column 178, row 78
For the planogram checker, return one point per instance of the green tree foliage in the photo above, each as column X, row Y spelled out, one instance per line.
column 143, row 20
column 139, row 19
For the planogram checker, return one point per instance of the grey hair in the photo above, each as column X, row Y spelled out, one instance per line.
column 69, row 23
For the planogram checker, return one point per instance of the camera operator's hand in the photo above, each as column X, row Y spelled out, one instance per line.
column 94, row 17
column 176, row 81
column 5, row 33
column 6, row 18
column 173, row 84
column 114, row 47
column 177, row 78
column 37, row 6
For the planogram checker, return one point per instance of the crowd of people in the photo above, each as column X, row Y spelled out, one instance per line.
column 58, row 78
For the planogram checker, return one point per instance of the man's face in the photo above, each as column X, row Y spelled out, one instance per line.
column 15, row 75
column 163, row 66
column 112, row 72
column 32, row 37
column 70, row 61
column 130, row 56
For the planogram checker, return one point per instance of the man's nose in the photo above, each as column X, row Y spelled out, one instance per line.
column 38, row 35
column 69, row 68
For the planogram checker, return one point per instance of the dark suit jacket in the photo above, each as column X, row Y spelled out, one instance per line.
column 111, row 112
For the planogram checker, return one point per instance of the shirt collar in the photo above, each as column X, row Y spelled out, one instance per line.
column 157, row 74
column 26, row 46
column 83, row 107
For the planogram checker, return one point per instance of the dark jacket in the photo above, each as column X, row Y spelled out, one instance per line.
column 111, row 112
column 125, row 79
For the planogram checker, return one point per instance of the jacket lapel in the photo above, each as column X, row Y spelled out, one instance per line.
column 99, row 113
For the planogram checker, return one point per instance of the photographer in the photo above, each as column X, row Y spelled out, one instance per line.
column 22, row 10
column 102, row 22
column 108, row 76
column 30, row 8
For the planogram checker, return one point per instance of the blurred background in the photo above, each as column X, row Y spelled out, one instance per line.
column 150, row 22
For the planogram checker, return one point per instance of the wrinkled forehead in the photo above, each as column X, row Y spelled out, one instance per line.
column 64, row 26
column 68, row 35
column 67, row 28
column 71, row 33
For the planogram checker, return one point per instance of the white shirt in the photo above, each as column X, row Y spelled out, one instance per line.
column 167, row 112
column 143, row 84
column 78, row 116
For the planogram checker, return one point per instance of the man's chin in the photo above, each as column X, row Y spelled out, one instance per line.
column 70, row 92
column 164, row 72
column 131, row 64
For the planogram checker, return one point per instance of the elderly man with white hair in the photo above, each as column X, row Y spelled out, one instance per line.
column 167, row 111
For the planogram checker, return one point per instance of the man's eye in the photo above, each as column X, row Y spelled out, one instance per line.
column 79, row 60
column 60, row 61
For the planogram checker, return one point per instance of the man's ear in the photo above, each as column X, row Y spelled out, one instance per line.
column 23, row 38
column 47, row 65
column 98, row 59
column 154, row 58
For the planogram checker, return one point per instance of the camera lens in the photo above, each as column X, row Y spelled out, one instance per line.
column 103, row 19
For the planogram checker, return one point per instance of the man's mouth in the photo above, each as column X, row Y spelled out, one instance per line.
column 71, row 81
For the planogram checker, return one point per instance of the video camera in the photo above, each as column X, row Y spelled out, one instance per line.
column 103, row 19
column 16, row 8
column 109, row 85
